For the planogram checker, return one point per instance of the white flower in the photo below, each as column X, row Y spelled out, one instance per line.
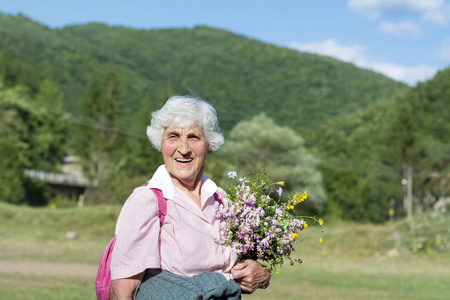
column 232, row 174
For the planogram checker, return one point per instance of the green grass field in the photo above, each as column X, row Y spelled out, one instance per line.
column 355, row 261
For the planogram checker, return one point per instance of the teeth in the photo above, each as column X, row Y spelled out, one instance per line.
column 183, row 159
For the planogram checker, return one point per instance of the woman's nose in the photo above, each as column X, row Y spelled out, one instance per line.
column 184, row 148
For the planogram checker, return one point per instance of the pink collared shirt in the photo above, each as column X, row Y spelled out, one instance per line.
column 184, row 245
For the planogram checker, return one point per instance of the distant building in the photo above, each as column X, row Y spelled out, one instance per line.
column 70, row 182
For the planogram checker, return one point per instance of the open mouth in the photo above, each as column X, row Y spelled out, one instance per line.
column 183, row 160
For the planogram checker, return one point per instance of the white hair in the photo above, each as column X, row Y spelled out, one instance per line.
column 185, row 111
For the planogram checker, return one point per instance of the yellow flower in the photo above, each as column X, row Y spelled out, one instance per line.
column 438, row 240
column 320, row 240
column 294, row 235
column 280, row 183
column 305, row 225
column 277, row 271
column 320, row 222
column 297, row 198
column 391, row 212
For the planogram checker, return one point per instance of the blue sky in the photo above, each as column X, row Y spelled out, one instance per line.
column 408, row 40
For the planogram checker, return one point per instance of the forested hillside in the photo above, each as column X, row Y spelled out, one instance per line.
column 240, row 76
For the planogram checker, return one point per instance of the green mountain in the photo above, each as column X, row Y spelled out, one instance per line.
column 240, row 76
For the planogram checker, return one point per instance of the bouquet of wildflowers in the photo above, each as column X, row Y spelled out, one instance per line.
column 257, row 226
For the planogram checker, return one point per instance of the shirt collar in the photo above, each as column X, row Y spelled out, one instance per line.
column 208, row 186
column 161, row 180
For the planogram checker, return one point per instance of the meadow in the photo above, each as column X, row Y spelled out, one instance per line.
column 355, row 261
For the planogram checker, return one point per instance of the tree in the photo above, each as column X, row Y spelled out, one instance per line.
column 402, row 154
column 31, row 136
column 50, row 128
column 12, row 74
column 37, row 129
column 261, row 142
column 12, row 188
column 100, row 137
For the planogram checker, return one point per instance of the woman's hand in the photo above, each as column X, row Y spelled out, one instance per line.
column 125, row 288
column 251, row 275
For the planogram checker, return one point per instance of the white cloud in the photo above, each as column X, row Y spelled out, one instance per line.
column 436, row 17
column 406, row 28
column 429, row 10
column 334, row 49
column 408, row 75
column 444, row 51
column 356, row 54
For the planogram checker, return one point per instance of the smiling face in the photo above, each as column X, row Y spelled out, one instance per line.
column 184, row 150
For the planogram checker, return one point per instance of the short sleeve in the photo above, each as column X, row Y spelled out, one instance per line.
column 137, row 236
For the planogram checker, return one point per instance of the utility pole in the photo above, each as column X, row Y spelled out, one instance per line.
column 404, row 183
column 409, row 192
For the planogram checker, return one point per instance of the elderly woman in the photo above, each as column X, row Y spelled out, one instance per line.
column 185, row 131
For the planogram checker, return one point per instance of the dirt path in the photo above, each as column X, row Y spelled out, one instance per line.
column 48, row 268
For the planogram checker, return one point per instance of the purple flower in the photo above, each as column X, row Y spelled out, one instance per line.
column 279, row 190
column 237, row 247
column 232, row 174
column 265, row 243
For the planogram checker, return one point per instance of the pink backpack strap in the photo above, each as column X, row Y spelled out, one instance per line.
column 217, row 198
column 162, row 204
column 103, row 279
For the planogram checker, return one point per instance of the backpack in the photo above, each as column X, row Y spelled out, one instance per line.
column 103, row 280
